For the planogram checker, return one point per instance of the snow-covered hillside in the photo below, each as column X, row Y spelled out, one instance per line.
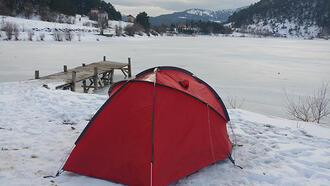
column 82, row 29
column 296, row 18
column 200, row 12
column 193, row 14
column 39, row 126
column 289, row 29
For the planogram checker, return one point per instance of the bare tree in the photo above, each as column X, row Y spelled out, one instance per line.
column 234, row 102
column 58, row 35
column 70, row 19
column 8, row 28
column 310, row 108
column 119, row 30
column 300, row 108
column 61, row 18
column 42, row 36
column 79, row 36
column 68, row 35
column 131, row 30
column 16, row 32
column 320, row 102
column 87, row 24
column 30, row 35
column 102, row 22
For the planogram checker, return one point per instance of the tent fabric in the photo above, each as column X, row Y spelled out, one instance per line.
column 153, row 131
column 173, row 76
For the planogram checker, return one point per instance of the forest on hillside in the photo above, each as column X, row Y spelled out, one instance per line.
column 300, row 11
column 68, row 7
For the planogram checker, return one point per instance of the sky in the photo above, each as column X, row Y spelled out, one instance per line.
column 158, row 7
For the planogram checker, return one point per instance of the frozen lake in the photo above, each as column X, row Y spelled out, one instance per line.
column 257, row 70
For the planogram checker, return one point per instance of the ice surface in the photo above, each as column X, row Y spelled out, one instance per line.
column 258, row 70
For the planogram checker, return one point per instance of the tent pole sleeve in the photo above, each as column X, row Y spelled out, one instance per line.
column 210, row 132
column 153, row 116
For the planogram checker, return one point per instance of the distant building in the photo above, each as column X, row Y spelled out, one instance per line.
column 130, row 19
column 94, row 11
column 94, row 14
column 182, row 26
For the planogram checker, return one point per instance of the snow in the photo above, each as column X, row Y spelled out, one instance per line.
column 274, row 152
column 201, row 12
column 39, row 126
column 82, row 28
column 36, row 129
column 34, row 23
column 289, row 29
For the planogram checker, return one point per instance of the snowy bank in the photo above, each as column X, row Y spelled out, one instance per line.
column 39, row 126
column 82, row 29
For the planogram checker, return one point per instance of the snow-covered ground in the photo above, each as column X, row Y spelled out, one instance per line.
column 83, row 29
column 39, row 126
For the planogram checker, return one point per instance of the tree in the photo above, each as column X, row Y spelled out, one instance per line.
column 4, row 9
column 160, row 29
column 118, row 30
column 131, row 30
column 16, row 32
column 143, row 20
column 68, row 7
column 28, row 9
column 9, row 29
column 310, row 108
column 63, row 6
column 102, row 22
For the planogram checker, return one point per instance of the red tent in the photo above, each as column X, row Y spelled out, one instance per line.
column 164, row 124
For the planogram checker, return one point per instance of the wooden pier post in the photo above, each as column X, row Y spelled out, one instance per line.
column 84, row 82
column 73, row 84
column 95, row 78
column 129, row 68
column 65, row 68
column 104, row 58
column 36, row 74
column 111, row 76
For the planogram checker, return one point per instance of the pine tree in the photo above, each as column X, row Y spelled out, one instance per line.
column 143, row 19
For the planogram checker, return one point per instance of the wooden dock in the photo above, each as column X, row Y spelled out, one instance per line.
column 95, row 75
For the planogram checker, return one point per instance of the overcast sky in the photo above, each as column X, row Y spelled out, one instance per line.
column 158, row 7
